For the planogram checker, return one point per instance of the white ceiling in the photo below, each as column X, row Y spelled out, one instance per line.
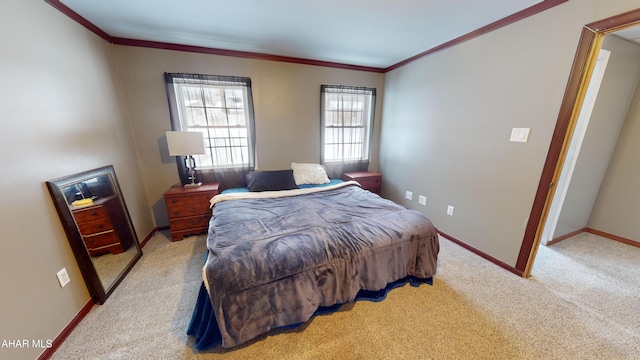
column 374, row 33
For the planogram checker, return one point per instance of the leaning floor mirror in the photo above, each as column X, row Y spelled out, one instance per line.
column 97, row 223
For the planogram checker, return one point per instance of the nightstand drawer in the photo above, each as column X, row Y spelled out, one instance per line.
column 100, row 240
column 190, row 223
column 178, row 211
column 370, row 182
column 89, row 214
column 95, row 226
column 192, row 199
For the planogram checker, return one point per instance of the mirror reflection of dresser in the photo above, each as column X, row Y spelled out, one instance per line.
column 98, row 226
column 102, row 225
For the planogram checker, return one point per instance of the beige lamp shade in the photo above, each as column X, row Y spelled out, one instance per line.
column 181, row 143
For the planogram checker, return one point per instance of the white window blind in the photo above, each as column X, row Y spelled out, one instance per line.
column 221, row 108
column 347, row 123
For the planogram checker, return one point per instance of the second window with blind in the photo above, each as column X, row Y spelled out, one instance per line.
column 347, row 117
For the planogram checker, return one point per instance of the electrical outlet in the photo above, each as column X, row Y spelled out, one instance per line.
column 408, row 195
column 450, row 210
column 422, row 200
column 63, row 277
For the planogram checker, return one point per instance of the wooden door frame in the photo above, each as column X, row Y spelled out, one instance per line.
column 583, row 64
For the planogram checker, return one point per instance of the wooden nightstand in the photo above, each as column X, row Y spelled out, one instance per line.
column 368, row 180
column 188, row 209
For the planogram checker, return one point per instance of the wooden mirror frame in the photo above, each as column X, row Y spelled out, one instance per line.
column 583, row 64
column 87, row 268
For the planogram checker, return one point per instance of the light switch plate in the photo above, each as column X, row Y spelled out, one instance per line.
column 408, row 195
column 422, row 200
column 63, row 277
column 520, row 134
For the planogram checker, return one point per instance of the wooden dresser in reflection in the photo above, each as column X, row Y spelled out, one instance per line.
column 103, row 226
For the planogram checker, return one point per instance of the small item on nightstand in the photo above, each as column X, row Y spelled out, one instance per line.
column 368, row 180
column 82, row 202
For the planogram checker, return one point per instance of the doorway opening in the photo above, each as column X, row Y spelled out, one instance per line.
column 581, row 73
column 573, row 151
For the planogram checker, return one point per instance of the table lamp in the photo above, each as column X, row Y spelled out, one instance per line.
column 187, row 144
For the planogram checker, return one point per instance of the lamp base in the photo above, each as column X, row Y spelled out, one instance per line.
column 192, row 185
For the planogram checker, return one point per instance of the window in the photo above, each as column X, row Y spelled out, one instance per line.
column 347, row 125
column 221, row 107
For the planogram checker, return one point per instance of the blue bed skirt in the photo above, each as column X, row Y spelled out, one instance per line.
column 204, row 326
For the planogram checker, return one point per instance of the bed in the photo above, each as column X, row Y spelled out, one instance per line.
column 278, row 257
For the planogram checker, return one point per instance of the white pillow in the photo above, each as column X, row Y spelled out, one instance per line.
column 309, row 173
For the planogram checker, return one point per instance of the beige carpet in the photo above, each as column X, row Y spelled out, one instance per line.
column 575, row 306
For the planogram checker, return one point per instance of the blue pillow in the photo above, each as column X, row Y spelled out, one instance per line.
column 270, row 180
column 235, row 190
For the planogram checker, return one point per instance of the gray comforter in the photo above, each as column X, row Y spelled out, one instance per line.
column 273, row 261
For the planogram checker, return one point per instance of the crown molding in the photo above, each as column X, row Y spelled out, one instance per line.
column 544, row 5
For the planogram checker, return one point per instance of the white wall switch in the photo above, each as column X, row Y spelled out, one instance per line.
column 63, row 277
column 450, row 210
column 422, row 200
column 408, row 195
column 520, row 134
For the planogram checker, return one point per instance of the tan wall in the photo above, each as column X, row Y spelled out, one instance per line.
column 286, row 102
column 448, row 117
column 62, row 112
column 617, row 207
